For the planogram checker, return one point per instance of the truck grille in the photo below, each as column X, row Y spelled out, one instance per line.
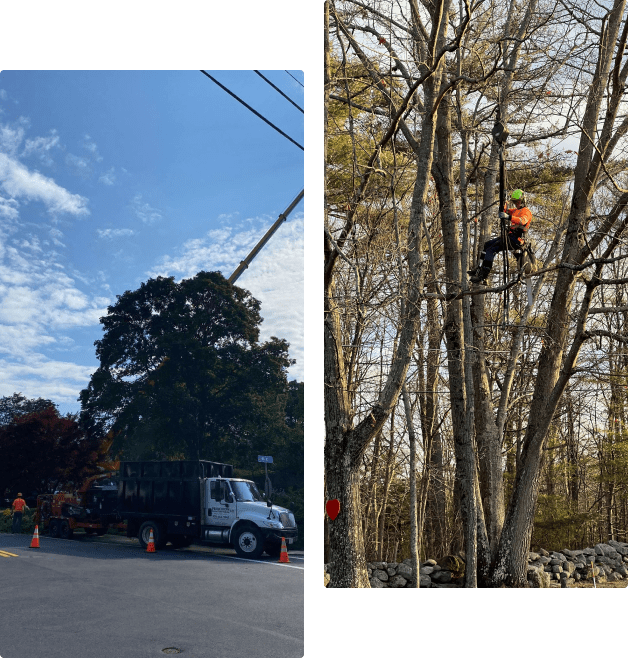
column 287, row 520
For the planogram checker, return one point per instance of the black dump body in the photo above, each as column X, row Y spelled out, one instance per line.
column 166, row 490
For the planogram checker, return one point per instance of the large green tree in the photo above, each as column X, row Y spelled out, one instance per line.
column 182, row 373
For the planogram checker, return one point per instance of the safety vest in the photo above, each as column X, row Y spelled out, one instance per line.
column 19, row 504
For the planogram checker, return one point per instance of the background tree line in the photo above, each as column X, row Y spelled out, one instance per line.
column 182, row 375
column 450, row 426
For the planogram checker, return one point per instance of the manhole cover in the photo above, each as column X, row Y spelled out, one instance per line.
column 171, row 650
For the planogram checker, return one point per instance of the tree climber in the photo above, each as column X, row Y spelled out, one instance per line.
column 520, row 218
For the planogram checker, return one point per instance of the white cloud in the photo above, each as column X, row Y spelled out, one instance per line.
column 41, row 146
column 18, row 181
column 275, row 277
column 38, row 376
column 90, row 145
column 109, row 233
column 11, row 138
column 109, row 177
column 56, row 236
column 8, row 208
column 144, row 211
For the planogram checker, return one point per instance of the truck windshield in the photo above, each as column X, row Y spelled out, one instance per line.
column 245, row 491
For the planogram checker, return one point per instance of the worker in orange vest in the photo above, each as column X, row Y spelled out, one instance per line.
column 520, row 218
column 19, row 504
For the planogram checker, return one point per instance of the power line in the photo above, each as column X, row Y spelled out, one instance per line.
column 279, row 90
column 299, row 81
column 252, row 110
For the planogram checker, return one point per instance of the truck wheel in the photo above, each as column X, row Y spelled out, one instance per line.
column 248, row 542
column 144, row 534
column 65, row 532
column 53, row 528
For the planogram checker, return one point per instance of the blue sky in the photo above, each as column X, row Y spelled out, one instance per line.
column 110, row 177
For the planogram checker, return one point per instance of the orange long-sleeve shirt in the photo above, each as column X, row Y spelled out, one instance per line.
column 520, row 218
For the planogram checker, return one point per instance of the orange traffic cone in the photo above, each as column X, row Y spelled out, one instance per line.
column 35, row 540
column 283, row 557
column 151, row 543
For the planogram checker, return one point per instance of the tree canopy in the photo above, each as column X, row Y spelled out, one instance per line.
column 42, row 450
column 182, row 373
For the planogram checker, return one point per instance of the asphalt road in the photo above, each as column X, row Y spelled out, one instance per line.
column 104, row 597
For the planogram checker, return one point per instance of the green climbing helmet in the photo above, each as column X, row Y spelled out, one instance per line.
column 518, row 195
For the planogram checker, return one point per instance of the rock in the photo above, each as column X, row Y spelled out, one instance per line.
column 554, row 561
column 613, row 577
column 454, row 564
column 327, row 579
column 380, row 574
column 445, row 585
column 425, row 581
column 426, row 571
column 543, row 552
column 556, row 568
column 397, row 581
column 532, row 557
column 378, row 565
column 622, row 549
column 376, row 583
column 538, row 578
column 622, row 571
column 391, row 572
column 405, row 571
column 429, row 563
column 441, row 577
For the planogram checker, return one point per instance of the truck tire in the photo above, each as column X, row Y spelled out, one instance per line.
column 248, row 542
column 65, row 532
column 53, row 528
column 144, row 534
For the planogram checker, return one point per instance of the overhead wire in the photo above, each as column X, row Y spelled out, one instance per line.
column 279, row 90
column 290, row 74
column 248, row 107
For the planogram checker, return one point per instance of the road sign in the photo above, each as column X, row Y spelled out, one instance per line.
column 266, row 460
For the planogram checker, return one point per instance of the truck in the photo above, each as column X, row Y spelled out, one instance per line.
column 184, row 502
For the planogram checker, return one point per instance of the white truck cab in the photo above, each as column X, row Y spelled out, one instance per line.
column 235, row 512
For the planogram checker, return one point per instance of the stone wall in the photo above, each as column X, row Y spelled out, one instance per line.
column 610, row 563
